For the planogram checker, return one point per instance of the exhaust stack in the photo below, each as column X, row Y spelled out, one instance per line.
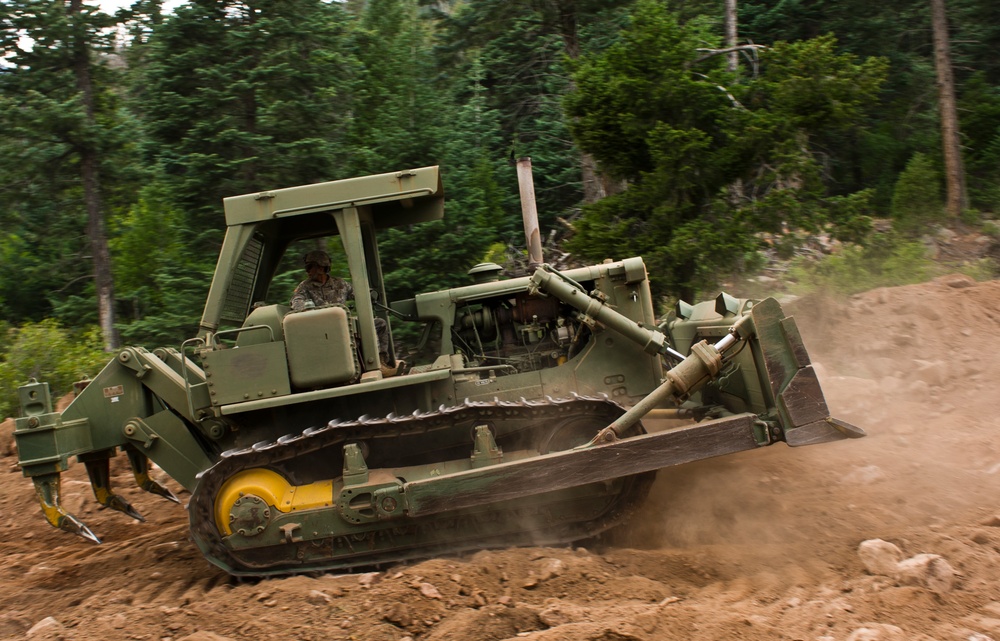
column 529, row 213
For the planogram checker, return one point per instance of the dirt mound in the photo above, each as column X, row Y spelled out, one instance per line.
column 760, row 545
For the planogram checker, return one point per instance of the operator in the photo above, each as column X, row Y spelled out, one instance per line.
column 323, row 289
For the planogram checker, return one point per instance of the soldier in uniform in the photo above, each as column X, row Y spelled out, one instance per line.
column 323, row 289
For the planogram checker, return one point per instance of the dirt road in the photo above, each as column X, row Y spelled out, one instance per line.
column 761, row 545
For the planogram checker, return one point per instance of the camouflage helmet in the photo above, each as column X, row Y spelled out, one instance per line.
column 317, row 257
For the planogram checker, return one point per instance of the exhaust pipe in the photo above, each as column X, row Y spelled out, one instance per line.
column 529, row 213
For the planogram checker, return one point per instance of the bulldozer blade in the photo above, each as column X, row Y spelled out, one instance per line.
column 824, row 431
column 47, row 488
column 591, row 464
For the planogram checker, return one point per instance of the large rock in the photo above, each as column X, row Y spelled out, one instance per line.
column 7, row 445
column 928, row 570
column 47, row 628
column 880, row 557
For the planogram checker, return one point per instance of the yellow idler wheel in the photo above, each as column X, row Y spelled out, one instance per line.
column 247, row 502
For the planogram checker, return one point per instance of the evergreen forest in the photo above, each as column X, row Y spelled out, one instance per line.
column 691, row 132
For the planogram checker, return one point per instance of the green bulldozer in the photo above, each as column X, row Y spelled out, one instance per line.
column 516, row 421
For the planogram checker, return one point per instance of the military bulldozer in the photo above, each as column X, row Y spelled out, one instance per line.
column 518, row 419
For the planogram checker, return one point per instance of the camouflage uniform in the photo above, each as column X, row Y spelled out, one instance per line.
column 335, row 291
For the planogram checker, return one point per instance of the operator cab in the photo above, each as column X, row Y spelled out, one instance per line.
column 320, row 347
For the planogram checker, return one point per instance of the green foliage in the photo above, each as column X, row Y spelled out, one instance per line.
column 237, row 98
column 397, row 108
column 162, row 285
column 980, row 125
column 46, row 352
column 474, row 219
column 50, row 126
column 523, row 48
column 223, row 98
column 708, row 167
column 177, row 310
column 905, row 120
column 886, row 261
column 916, row 200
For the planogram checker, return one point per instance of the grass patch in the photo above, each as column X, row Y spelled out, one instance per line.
column 887, row 260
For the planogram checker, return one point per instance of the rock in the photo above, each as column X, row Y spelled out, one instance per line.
column 928, row 570
column 399, row 615
column 47, row 627
column 119, row 621
column 429, row 591
column 369, row 579
column 318, row 597
column 945, row 235
column 551, row 569
column 876, row 632
column 957, row 281
column 8, row 446
column 880, row 557
column 993, row 521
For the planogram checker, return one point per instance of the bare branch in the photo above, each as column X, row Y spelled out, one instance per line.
column 710, row 53
column 732, row 98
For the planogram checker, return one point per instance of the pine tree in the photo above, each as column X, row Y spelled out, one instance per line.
column 524, row 47
column 60, row 117
column 239, row 96
column 655, row 112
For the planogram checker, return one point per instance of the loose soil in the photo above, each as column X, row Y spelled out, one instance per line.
column 760, row 545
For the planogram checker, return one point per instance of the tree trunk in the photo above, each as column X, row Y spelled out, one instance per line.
column 734, row 60
column 90, row 176
column 595, row 185
column 950, row 139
